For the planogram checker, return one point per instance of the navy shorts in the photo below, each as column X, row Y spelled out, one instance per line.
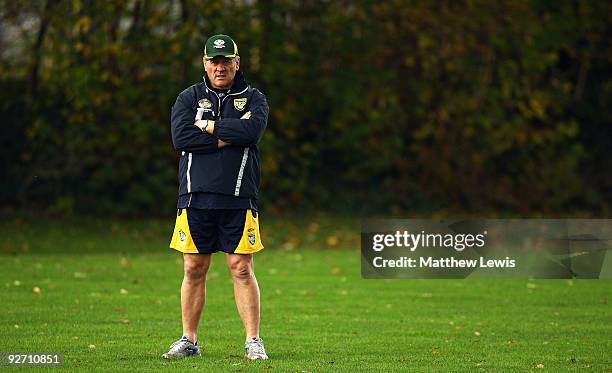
column 200, row 231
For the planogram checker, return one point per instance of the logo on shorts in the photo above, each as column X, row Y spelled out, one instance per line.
column 205, row 103
column 182, row 237
column 240, row 103
column 251, row 235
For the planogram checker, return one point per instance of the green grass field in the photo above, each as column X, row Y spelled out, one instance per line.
column 109, row 300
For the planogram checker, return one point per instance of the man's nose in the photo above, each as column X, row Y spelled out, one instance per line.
column 221, row 67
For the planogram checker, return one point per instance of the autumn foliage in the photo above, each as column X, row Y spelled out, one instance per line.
column 384, row 107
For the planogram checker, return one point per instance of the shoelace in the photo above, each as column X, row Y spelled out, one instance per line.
column 180, row 343
column 256, row 346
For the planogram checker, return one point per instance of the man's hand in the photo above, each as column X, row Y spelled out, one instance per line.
column 207, row 126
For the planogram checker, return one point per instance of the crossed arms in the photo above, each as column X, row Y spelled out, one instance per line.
column 203, row 137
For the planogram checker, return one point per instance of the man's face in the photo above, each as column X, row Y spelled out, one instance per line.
column 221, row 71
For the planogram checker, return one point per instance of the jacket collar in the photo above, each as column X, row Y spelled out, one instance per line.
column 238, row 85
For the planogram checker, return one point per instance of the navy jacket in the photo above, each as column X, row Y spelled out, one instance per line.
column 203, row 167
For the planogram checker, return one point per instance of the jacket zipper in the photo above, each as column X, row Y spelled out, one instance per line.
column 246, row 149
column 220, row 100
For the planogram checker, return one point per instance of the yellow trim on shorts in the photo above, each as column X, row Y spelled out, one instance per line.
column 181, row 238
column 251, row 239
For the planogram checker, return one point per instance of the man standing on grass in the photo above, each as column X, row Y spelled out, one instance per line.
column 216, row 126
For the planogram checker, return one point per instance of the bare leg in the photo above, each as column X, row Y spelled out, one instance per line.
column 246, row 291
column 193, row 292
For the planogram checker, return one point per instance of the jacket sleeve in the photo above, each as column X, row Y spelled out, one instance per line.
column 245, row 132
column 185, row 135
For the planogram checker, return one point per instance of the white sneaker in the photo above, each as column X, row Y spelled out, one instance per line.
column 182, row 348
column 254, row 349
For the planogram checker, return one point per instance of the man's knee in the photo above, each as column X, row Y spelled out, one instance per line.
column 195, row 268
column 241, row 268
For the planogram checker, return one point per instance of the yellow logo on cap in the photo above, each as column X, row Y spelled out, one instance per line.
column 240, row 103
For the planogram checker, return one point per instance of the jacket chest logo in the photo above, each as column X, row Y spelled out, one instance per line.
column 205, row 103
column 240, row 103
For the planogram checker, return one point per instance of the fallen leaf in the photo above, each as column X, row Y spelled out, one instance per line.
column 540, row 366
column 36, row 290
column 531, row 285
column 92, row 346
column 16, row 282
column 17, row 326
column 336, row 270
column 477, row 334
column 123, row 291
column 125, row 321
column 332, row 241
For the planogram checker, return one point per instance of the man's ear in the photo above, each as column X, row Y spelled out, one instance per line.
column 237, row 62
column 204, row 61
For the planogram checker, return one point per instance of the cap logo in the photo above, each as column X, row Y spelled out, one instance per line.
column 219, row 43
